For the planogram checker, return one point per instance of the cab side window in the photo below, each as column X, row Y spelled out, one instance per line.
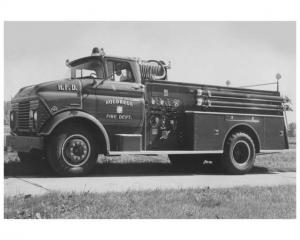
column 119, row 71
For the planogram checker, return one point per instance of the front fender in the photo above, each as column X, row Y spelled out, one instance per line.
column 48, row 128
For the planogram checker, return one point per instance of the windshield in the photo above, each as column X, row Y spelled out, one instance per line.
column 89, row 69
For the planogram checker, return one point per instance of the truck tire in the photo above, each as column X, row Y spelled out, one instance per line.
column 71, row 150
column 239, row 153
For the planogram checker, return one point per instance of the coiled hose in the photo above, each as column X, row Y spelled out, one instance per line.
column 153, row 72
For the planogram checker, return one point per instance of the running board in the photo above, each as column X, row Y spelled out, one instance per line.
column 163, row 152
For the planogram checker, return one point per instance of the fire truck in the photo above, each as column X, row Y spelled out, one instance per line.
column 114, row 105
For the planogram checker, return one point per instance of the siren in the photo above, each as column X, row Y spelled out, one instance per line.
column 97, row 52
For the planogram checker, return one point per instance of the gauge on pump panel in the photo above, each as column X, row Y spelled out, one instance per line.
column 153, row 101
column 154, row 121
column 161, row 102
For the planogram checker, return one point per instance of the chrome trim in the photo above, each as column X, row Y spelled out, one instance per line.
column 249, row 108
column 242, row 124
column 63, row 150
column 166, row 152
column 241, row 114
column 247, row 99
column 62, row 116
column 131, row 135
column 243, row 120
column 274, row 151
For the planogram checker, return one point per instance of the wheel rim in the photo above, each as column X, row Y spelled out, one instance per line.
column 241, row 152
column 76, row 150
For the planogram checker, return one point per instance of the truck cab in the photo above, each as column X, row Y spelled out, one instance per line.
column 113, row 105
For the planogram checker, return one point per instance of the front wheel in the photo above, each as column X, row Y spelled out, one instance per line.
column 239, row 153
column 71, row 150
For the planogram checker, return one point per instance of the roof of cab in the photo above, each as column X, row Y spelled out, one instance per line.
column 83, row 59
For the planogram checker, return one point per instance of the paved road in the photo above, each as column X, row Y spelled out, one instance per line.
column 100, row 184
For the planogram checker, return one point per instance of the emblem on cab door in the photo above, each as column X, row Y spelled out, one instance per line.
column 54, row 109
column 119, row 109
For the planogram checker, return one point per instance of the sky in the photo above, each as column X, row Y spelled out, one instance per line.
column 245, row 53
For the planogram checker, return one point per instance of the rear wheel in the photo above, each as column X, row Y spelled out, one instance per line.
column 239, row 153
column 71, row 150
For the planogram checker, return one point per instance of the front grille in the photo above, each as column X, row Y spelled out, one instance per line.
column 24, row 123
column 23, row 115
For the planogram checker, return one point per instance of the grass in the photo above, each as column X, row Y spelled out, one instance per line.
column 241, row 202
column 281, row 162
column 292, row 140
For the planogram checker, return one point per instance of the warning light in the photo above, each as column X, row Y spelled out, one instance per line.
column 97, row 52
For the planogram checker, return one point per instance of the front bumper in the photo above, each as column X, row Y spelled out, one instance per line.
column 24, row 143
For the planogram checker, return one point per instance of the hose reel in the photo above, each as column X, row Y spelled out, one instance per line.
column 153, row 70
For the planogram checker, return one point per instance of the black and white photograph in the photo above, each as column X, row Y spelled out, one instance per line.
column 150, row 120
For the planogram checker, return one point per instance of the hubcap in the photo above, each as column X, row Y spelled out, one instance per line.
column 76, row 150
column 241, row 152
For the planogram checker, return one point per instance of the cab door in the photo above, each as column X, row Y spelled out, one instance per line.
column 120, row 103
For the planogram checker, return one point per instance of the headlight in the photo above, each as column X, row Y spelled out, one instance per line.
column 12, row 119
column 31, row 114
column 199, row 92
column 35, row 116
column 12, row 116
